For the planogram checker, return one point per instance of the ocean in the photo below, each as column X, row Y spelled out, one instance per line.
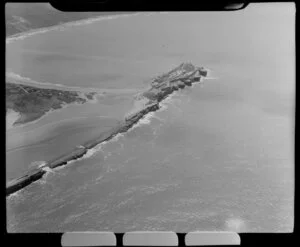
column 216, row 156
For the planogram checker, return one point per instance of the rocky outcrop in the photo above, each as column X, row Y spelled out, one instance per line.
column 180, row 77
column 25, row 180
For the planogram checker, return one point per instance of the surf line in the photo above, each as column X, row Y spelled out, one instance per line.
column 162, row 86
column 62, row 26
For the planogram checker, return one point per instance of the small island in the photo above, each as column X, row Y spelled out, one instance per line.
column 29, row 103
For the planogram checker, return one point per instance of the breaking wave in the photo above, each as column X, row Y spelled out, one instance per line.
column 145, row 120
column 235, row 224
column 92, row 151
column 38, row 164
column 48, row 171
column 20, row 78
column 61, row 27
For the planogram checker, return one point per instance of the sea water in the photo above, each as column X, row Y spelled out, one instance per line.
column 217, row 156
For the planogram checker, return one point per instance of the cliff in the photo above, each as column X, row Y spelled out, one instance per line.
column 183, row 75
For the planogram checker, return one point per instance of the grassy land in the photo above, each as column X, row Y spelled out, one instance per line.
column 32, row 102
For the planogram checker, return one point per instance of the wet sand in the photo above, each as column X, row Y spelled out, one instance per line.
column 60, row 27
column 11, row 117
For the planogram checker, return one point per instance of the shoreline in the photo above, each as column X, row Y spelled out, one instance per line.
column 22, row 35
column 18, row 79
column 11, row 117
column 64, row 106
column 161, row 88
column 81, row 94
column 16, row 118
column 12, row 77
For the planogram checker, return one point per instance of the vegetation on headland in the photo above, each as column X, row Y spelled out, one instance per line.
column 32, row 102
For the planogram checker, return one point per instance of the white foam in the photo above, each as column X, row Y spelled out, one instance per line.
column 143, row 121
column 92, row 151
column 39, row 164
column 163, row 107
column 68, row 163
column 166, row 102
column 42, row 181
column 47, row 169
column 18, row 77
column 16, row 195
column 235, row 224
column 170, row 99
column 211, row 78
column 158, row 118
column 147, row 118
column 62, row 27
column 117, row 137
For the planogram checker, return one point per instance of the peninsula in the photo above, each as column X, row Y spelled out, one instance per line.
column 31, row 103
column 148, row 101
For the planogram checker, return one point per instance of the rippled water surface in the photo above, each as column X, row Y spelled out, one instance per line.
column 217, row 156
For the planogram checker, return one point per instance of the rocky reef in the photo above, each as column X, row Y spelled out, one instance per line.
column 184, row 75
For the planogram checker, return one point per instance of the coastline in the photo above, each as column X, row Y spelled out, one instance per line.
column 61, row 26
column 160, row 90
column 63, row 106
column 18, row 79
column 82, row 94
column 11, row 117
column 26, row 104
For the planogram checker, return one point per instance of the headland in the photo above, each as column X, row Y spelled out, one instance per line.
column 147, row 101
column 31, row 103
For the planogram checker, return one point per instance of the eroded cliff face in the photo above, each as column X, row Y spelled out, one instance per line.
column 184, row 75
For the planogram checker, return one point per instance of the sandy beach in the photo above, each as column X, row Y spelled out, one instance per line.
column 61, row 27
column 11, row 117
column 14, row 78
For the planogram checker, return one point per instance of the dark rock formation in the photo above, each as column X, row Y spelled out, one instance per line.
column 183, row 75
column 25, row 180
